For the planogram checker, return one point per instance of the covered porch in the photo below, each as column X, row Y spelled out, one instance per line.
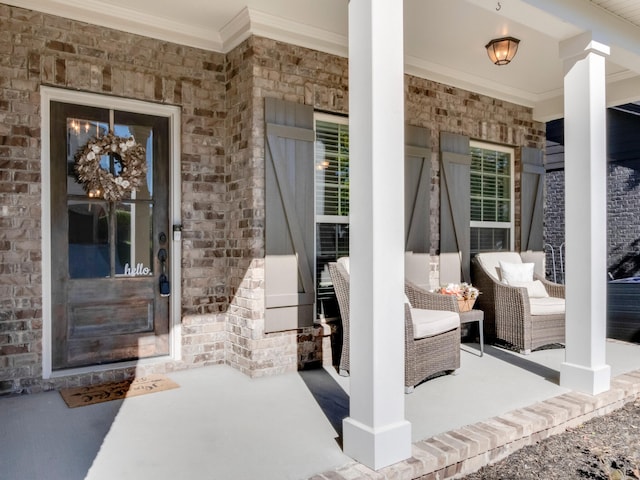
column 494, row 405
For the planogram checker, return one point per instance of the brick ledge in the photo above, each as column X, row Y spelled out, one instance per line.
column 460, row 452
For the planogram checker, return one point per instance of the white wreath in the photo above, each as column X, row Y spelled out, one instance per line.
column 97, row 181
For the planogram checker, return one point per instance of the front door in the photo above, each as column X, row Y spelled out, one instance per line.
column 108, row 255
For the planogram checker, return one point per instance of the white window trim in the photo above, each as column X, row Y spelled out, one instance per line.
column 47, row 95
column 511, row 224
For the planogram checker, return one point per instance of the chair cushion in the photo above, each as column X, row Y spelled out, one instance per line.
column 547, row 306
column 344, row 261
column 417, row 269
column 427, row 323
column 516, row 272
column 535, row 289
column 491, row 261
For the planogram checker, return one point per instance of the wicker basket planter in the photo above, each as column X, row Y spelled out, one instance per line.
column 466, row 305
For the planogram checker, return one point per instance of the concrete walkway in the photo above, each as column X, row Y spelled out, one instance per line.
column 223, row 425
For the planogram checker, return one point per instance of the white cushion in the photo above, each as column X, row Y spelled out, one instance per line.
column 416, row 268
column 516, row 272
column 491, row 261
column 427, row 323
column 344, row 261
column 546, row 306
column 535, row 289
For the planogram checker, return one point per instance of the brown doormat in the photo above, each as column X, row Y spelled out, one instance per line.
column 80, row 396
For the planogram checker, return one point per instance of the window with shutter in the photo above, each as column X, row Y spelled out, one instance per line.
column 332, row 203
column 491, row 197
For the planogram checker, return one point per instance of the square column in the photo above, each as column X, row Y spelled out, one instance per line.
column 376, row 432
column 585, row 367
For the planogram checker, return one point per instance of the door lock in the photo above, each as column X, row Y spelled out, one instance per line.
column 165, row 286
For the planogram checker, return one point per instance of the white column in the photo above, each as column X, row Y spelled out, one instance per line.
column 585, row 367
column 376, row 433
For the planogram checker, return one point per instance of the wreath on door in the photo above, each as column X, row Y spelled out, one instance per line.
column 100, row 182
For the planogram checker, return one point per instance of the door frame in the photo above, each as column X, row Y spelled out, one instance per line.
column 49, row 94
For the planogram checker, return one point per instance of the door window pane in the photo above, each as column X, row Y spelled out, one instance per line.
column 88, row 239
column 134, row 239
column 143, row 135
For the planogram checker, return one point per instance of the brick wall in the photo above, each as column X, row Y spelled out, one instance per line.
column 257, row 69
column 623, row 209
column 443, row 108
column 38, row 49
column 554, row 223
column 222, row 170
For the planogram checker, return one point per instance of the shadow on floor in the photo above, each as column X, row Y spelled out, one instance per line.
column 331, row 398
column 519, row 361
column 65, row 440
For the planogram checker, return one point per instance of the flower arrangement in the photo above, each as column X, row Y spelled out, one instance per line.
column 465, row 293
column 462, row 291
column 99, row 182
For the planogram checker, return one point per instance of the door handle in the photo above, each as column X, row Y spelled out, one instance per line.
column 165, row 286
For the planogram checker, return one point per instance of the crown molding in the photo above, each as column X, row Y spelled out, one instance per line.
column 126, row 20
column 254, row 22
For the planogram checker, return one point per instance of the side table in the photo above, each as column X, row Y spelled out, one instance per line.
column 475, row 316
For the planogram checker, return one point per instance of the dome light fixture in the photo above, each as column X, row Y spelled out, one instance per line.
column 502, row 50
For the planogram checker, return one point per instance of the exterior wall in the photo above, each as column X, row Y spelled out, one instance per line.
column 443, row 108
column 554, row 224
column 38, row 49
column 623, row 209
column 222, row 168
column 257, row 69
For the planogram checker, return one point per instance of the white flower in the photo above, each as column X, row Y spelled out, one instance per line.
column 131, row 142
column 114, row 147
column 119, row 181
column 125, row 183
column 123, row 147
column 91, row 156
column 96, row 149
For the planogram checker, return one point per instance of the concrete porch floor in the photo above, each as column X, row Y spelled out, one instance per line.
column 223, row 425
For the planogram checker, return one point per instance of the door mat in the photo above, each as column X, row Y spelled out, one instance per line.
column 81, row 396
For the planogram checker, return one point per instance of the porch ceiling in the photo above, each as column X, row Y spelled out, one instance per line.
column 444, row 41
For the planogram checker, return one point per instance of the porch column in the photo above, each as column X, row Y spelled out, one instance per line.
column 584, row 368
column 376, row 433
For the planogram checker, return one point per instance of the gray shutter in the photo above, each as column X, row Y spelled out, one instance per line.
column 417, row 187
column 289, row 215
column 531, row 199
column 455, row 203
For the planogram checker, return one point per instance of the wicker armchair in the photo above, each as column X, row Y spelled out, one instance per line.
column 424, row 357
column 507, row 309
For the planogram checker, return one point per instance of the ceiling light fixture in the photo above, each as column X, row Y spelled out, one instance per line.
column 502, row 50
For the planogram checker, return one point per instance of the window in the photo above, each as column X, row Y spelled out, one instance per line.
column 332, row 204
column 492, row 195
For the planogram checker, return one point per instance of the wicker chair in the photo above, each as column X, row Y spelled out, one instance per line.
column 424, row 357
column 507, row 309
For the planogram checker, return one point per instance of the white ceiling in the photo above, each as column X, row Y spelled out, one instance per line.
column 444, row 39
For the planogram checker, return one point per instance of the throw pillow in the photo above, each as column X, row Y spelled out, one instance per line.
column 516, row 272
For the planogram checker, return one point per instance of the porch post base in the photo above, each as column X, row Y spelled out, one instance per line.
column 377, row 448
column 591, row 380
